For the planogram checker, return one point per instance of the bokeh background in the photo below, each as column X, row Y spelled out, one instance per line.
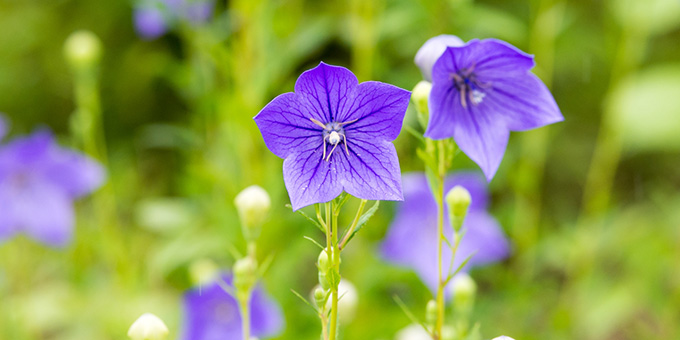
column 591, row 205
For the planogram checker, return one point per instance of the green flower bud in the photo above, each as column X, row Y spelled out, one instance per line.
column 253, row 204
column 464, row 290
column 323, row 263
column 431, row 312
column 420, row 95
column 458, row 200
column 245, row 276
column 320, row 297
column 82, row 49
column 148, row 327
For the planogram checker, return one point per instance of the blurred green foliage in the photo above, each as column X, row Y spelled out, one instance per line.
column 597, row 243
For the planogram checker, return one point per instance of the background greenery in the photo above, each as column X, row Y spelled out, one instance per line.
column 591, row 205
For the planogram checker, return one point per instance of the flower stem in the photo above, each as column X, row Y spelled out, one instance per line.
column 245, row 317
column 335, row 260
column 440, row 238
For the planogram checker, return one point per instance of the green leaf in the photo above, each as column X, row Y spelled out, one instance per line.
column 363, row 219
column 313, row 241
column 410, row 314
column 342, row 199
column 314, row 222
column 304, row 300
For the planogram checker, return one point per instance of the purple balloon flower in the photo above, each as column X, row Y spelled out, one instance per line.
column 212, row 314
column 153, row 18
column 150, row 22
column 38, row 183
column 412, row 236
column 335, row 134
column 481, row 91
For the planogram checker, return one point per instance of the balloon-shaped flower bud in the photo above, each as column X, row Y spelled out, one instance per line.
column 503, row 337
column 253, row 204
column 420, row 95
column 431, row 312
column 431, row 51
column 458, row 200
column 349, row 299
column 148, row 327
column 323, row 263
column 417, row 332
column 320, row 297
column 464, row 290
column 83, row 49
column 245, row 276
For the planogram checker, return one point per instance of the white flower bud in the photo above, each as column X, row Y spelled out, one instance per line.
column 420, row 95
column 148, row 327
column 253, row 205
column 431, row 312
column 417, row 332
column 349, row 299
column 503, row 337
column 458, row 200
column 82, row 49
column 431, row 51
column 245, row 275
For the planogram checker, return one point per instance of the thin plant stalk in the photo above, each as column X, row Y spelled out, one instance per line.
column 335, row 260
column 440, row 239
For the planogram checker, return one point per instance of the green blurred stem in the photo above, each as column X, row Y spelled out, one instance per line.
column 245, row 317
column 440, row 237
column 597, row 191
column 534, row 144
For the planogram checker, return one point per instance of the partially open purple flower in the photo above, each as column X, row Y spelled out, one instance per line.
column 212, row 314
column 412, row 236
column 481, row 91
column 335, row 134
column 38, row 183
column 153, row 18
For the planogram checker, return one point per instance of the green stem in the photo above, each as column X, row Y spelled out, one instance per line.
column 353, row 226
column 245, row 317
column 440, row 238
column 336, row 271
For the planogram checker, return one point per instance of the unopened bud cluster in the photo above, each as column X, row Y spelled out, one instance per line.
column 245, row 276
column 83, row 49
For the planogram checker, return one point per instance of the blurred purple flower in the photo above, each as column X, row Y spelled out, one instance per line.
column 481, row 91
column 38, row 183
column 412, row 236
column 335, row 134
column 153, row 18
column 149, row 22
column 3, row 126
column 212, row 314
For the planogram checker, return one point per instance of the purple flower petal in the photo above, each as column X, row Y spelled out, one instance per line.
column 431, row 51
column 480, row 92
column 198, row 12
column 212, row 314
column 38, row 182
column 149, row 22
column 378, row 109
column 371, row 171
column 309, row 179
column 334, row 134
column 412, row 237
column 286, row 126
column 328, row 89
